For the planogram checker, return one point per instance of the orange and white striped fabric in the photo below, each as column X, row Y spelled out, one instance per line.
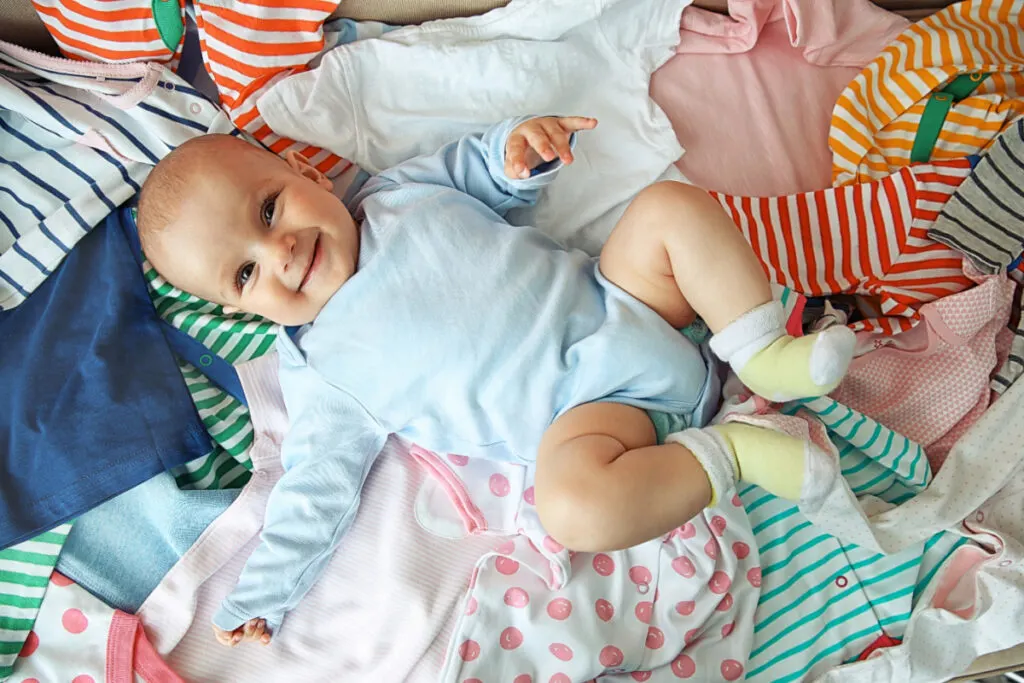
column 869, row 239
column 246, row 46
column 876, row 118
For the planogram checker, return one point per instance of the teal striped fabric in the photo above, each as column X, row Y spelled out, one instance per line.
column 824, row 602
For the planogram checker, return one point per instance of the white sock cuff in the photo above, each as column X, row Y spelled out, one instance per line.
column 713, row 454
column 750, row 333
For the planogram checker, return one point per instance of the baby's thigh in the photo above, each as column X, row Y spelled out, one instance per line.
column 635, row 257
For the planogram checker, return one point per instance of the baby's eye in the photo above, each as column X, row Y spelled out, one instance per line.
column 267, row 212
column 244, row 273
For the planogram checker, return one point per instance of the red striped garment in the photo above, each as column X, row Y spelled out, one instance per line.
column 868, row 239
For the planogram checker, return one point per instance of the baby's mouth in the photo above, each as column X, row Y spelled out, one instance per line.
column 314, row 261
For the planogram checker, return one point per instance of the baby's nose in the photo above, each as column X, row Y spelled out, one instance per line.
column 286, row 250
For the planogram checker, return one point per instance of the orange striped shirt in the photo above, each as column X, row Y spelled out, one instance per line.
column 876, row 118
column 247, row 46
column 869, row 239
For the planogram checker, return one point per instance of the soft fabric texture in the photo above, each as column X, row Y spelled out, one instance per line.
column 393, row 604
column 876, row 116
column 435, row 257
column 79, row 639
column 591, row 59
column 870, row 239
column 124, row 568
column 65, row 388
column 747, row 133
column 774, row 461
column 932, row 383
column 985, row 216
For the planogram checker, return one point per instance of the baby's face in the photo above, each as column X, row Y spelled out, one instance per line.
column 259, row 234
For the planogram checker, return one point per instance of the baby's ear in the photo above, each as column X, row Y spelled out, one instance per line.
column 301, row 165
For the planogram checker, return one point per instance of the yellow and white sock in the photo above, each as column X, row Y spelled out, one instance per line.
column 780, row 367
column 729, row 452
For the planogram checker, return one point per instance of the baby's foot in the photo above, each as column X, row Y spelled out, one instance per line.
column 254, row 629
column 780, row 367
column 800, row 367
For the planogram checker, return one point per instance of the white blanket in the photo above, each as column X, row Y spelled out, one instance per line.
column 381, row 101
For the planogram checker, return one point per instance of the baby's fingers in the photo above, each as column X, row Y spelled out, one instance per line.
column 515, row 156
column 575, row 123
column 541, row 142
column 560, row 139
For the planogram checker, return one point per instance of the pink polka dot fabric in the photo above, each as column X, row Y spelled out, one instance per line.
column 78, row 639
column 672, row 609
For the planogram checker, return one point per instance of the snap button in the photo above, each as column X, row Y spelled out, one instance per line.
column 195, row 108
column 979, row 516
column 942, row 97
column 841, row 581
column 169, row 85
column 975, row 77
column 206, row 360
column 644, row 588
column 1006, row 563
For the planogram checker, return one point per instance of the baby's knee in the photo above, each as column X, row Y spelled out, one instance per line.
column 672, row 211
column 668, row 197
column 573, row 516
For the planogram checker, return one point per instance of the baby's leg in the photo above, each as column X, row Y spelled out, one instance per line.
column 603, row 483
column 676, row 250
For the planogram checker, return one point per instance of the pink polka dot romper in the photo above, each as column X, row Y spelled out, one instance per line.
column 677, row 607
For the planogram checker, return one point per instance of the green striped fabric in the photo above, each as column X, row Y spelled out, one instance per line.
column 236, row 338
column 24, row 574
column 25, row 568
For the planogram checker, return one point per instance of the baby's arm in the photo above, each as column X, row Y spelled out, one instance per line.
column 477, row 164
column 329, row 449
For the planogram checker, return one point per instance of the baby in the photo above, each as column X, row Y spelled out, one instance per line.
column 423, row 313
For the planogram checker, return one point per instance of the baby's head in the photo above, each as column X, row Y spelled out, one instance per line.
column 235, row 224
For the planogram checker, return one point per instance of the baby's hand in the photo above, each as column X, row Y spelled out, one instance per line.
column 254, row 629
column 539, row 140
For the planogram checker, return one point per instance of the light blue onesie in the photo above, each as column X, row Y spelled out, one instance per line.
column 459, row 332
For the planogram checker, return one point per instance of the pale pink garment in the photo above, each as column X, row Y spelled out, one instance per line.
column 932, row 383
column 383, row 611
column 750, row 95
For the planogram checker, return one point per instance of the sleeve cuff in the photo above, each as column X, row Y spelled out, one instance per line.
column 229, row 617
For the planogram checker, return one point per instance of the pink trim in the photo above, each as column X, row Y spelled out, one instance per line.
column 121, row 647
column 795, row 325
column 129, row 651
column 471, row 516
column 148, row 73
column 72, row 66
column 957, row 589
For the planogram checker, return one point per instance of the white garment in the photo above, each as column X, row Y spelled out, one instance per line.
column 977, row 493
column 381, row 101
column 77, row 140
column 677, row 606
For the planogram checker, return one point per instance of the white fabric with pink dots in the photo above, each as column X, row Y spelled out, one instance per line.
column 78, row 639
column 673, row 608
column 669, row 609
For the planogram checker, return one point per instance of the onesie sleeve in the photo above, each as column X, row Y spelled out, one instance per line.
column 331, row 444
column 474, row 164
